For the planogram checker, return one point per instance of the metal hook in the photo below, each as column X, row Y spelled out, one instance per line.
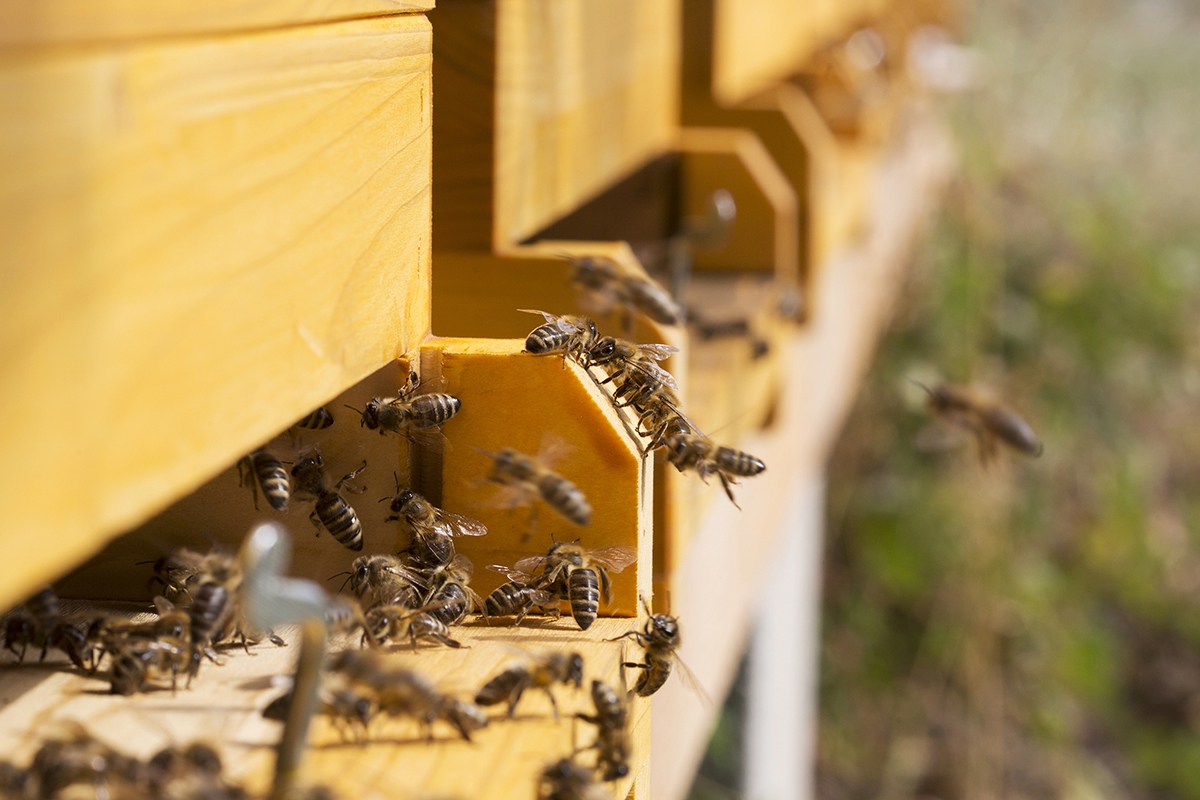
column 271, row 599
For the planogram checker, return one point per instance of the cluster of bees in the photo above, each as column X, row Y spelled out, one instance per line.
column 76, row 759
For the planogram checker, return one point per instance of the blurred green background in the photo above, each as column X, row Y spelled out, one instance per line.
column 1031, row 629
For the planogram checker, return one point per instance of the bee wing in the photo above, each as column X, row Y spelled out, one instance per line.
column 549, row 317
column 430, row 438
column 658, row 373
column 613, row 559
column 459, row 525
column 528, row 564
column 657, row 352
column 553, row 448
column 691, row 682
column 514, row 575
column 463, row 565
column 564, row 325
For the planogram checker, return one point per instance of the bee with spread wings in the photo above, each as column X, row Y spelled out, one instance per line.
column 433, row 529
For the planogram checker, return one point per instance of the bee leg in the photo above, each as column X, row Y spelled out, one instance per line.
column 316, row 521
column 276, row 639
column 725, row 482
column 634, row 665
column 553, row 702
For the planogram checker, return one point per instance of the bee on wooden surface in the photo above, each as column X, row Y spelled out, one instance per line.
column 14, row 781
column 450, row 596
column 433, row 529
column 611, row 719
column 41, row 623
column 605, row 287
column 383, row 579
column 175, row 572
column 659, row 640
column 570, row 335
column 80, row 758
column 331, row 511
column 529, row 478
column 696, row 452
column 989, row 422
column 518, row 597
column 346, row 617
column 540, row 672
column 349, row 710
column 580, row 575
column 566, row 780
column 389, row 623
column 110, row 634
column 262, row 470
column 318, row 419
column 400, row 692
column 615, row 356
column 138, row 662
column 419, row 418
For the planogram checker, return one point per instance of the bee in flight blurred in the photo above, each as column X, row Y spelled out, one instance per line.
column 989, row 422
column 605, row 287
column 527, row 478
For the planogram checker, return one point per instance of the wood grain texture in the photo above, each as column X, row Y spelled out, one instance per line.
column 824, row 366
column 41, row 22
column 224, row 708
column 535, row 405
column 542, row 105
column 202, row 241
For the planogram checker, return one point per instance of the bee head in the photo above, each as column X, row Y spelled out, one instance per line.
column 603, row 351
column 664, row 627
column 370, row 414
column 405, row 499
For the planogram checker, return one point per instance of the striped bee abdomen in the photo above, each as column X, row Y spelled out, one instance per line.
column 548, row 338
column 566, row 498
column 652, row 679
column 319, row 419
column 208, row 612
column 505, row 687
column 340, row 520
column 456, row 602
column 429, row 410
column 736, row 462
column 583, row 591
column 506, row 600
column 128, row 673
column 273, row 478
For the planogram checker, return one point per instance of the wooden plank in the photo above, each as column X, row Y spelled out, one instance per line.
column 824, row 367
column 765, row 236
column 40, row 22
column 205, row 240
column 525, row 402
column 223, row 708
column 576, row 93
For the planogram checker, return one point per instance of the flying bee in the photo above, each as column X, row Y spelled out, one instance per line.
column 566, row 780
column 989, row 422
column 517, row 597
column 331, row 511
column 659, row 640
column 580, row 575
column 262, row 470
column 605, row 286
column 541, row 672
column 530, row 478
column 41, row 623
column 419, row 418
column 570, row 335
column 695, row 451
column 316, row 420
column 611, row 719
column 433, row 529
column 384, row 580
column 139, row 661
column 398, row 622
column 450, row 593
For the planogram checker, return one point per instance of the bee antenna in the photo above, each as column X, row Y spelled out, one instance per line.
column 646, row 605
column 150, row 561
column 355, row 410
column 928, row 391
column 397, row 477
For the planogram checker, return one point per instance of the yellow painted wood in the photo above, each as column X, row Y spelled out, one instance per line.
column 542, row 105
column 526, row 402
column 38, row 22
column 766, row 235
column 203, row 239
column 223, row 708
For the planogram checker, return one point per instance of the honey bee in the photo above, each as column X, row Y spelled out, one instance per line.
column 176, row 571
column 41, row 623
column 345, row 616
column 570, row 335
column 542, row 672
column 384, row 580
column 401, row 692
column 605, row 286
column 695, row 451
column 615, row 356
column 109, row 634
column 611, row 719
column 418, row 418
column 398, row 622
column 659, row 639
column 316, row 420
column 580, row 575
column 350, row 711
column 566, row 780
column 517, row 597
column 79, row 758
column 449, row 595
column 530, row 478
column 989, row 422
column 331, row 510
column 433, row 529
column 138, row 661
column 261, row 469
